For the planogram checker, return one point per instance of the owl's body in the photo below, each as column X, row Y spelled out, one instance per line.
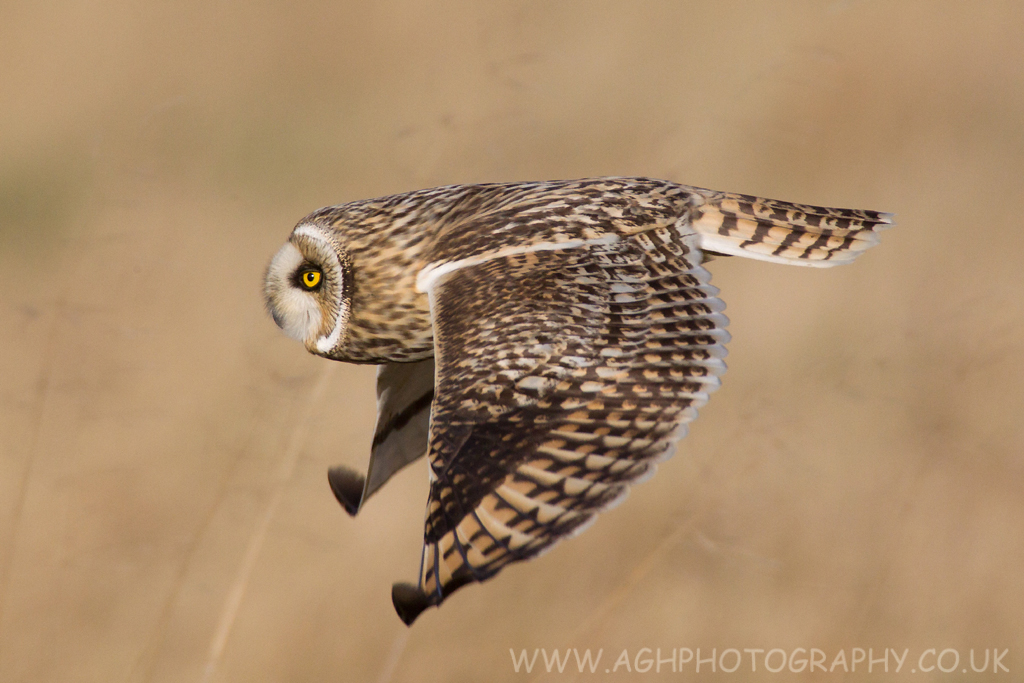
column 543, row 343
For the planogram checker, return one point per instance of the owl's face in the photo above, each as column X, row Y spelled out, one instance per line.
column 305, row 289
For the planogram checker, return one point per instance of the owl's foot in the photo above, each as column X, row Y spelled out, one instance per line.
column 347, row 485
column 409, row 601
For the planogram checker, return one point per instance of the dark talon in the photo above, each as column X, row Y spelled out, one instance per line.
column 409, row 601
column 347, row 486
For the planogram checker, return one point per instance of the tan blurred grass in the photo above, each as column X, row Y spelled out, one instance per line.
column 856, row 483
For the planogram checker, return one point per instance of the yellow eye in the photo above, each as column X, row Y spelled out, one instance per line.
column 311, row 278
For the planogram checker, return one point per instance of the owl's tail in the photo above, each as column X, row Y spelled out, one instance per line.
column 782, row 232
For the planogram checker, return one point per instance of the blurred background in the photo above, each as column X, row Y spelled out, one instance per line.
column 164, row 511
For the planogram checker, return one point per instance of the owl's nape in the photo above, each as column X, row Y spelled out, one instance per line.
column 576, row 335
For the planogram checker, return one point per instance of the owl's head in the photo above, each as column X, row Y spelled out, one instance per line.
column 305, row 289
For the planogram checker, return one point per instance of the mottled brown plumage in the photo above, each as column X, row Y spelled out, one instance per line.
column 573, row 330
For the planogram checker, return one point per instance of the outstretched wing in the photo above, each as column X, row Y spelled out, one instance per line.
column 563, row 374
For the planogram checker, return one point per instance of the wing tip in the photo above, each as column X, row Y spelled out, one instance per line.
column 347, row 486
column 886, row 219
column 409, row 601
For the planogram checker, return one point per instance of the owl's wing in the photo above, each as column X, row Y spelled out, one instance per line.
column 563, row 374
column 404, row 393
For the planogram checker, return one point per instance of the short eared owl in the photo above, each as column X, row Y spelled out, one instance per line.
column 544, row 343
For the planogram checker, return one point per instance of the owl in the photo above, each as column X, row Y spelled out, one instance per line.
column 544, row 344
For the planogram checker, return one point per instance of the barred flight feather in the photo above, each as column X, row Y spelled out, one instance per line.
column 782, row 232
